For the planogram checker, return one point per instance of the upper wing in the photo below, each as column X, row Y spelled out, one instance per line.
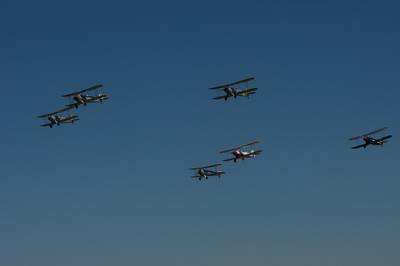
column 95, row 87
column 56, row 112
column 247, row 92
column 384, row 138
column 376, row 131
column 233, row 83
column 241, row 146
column 369, row 133
column 205, row 167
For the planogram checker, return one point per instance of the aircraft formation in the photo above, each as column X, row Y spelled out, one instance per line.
column 78, row 98
column 231, row 90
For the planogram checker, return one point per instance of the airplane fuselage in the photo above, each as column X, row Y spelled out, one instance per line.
column 230, row 92
column 204, row 173
column 84, row 99
column 241, row 155
column 55, row 119
column 58, row 119
column 372, row 141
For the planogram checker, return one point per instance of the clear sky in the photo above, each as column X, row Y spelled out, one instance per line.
column 114, row 189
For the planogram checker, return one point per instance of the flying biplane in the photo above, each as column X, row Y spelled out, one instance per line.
column 368, row 140
column 239, row 154
column 231, row 91
column 56, row 118
column 205, row 172
column 83, row 98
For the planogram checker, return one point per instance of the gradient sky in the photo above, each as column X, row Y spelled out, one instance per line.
column 114, row 189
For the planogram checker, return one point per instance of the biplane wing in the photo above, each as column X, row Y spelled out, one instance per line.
column 56, row 112
column 70, row 119
column 359, row 146
column 368, row 134
column 205, row 167
column 231, row 84
column 241, row 146
column 255, row 152
column 47, row 125
column 247, row 92
column 95, row 87
column 384, row 138
column 222, row 97
column 97, row 98
column 210, row 174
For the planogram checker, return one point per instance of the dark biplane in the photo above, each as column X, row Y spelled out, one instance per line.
column 231, row 91
column 368, row 140
column 205, row 172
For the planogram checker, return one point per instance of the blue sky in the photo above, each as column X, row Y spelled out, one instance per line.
column 115, row 189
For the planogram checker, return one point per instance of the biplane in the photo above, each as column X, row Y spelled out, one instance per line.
column 231, row 90
column 368, row 140
column 205, row 172
column 240, row 154
column 56, row 118
column 83, row 97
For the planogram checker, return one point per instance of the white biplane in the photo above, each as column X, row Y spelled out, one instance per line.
column 56, row 118
column 83, row 98
column 231, row 91
column 240, row 154
column 205, row 172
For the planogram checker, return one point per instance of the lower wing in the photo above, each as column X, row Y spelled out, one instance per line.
column 384, row 138
column 96, row 99
column 359, row 146
column 70, row 119
column 47, row 125
column 255, row 153
column 222, row 97
column 247, row 92
column 212, row 173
